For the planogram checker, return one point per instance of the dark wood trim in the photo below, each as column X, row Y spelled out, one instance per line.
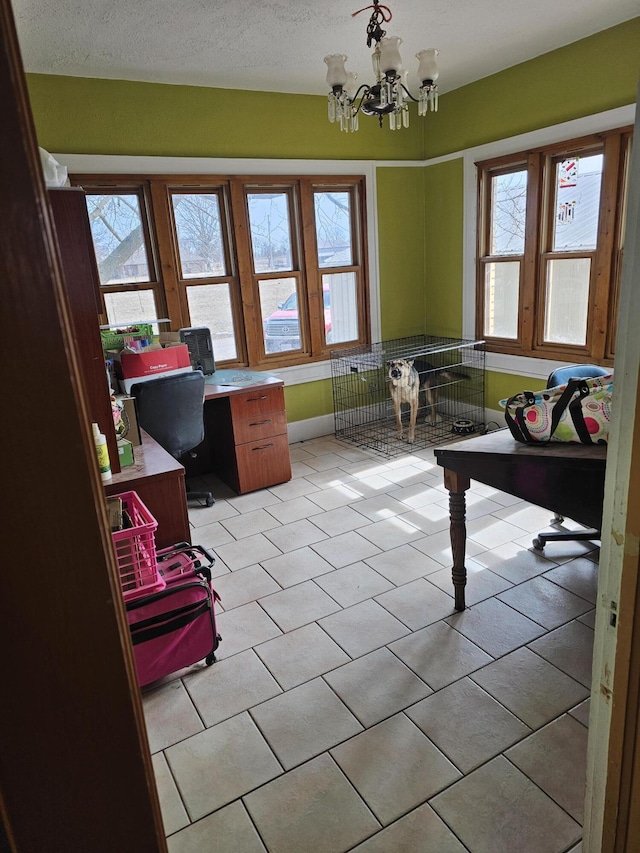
column 250, row 348
column 82, row 288
column 167, row 260
column 529, row 311
column 76, row 772
column 603, row 263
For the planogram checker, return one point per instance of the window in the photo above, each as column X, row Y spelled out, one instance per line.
column 550, row 247
column 275, row 268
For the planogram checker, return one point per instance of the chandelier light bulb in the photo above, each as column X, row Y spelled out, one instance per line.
column 351, row 86
column 390, row 59
column 336, row 72
column 427, row 65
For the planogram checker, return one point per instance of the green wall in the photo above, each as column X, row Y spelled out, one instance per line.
column 419, row 209
column 308, row 401
column 90, row 116
column 443, row 201
column 400, row 202
column 499, row 386
column 589, row 76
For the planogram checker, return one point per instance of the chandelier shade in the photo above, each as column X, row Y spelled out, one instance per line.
column 389, row 94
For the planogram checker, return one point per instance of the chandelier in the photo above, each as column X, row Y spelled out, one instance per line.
column 389, row 94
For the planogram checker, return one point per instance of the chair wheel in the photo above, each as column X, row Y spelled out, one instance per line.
column 538, row 545
column 210, row 501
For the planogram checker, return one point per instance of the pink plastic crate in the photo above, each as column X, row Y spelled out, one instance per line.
column 135, row 549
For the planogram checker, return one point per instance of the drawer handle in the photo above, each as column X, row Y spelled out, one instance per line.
column 257, row 399
column 263, row 447
column 261, row 423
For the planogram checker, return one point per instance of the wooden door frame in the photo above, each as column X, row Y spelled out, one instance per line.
column 612, row 807
column 75, row 766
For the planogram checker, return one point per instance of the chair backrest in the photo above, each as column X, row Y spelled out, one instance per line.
column 576, row 371
column 171, row 410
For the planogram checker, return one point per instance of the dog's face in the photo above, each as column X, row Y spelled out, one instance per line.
column 400, row 368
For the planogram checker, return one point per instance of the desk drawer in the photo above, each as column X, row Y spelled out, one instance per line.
column 257, row 401
column 259, row 426
column 263, row 463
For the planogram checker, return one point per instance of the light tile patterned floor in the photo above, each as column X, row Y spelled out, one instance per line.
column 351, row 708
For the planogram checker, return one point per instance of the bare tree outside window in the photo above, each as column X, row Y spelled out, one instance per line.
column 197, row 220
column 118, row 237
column 508, row 211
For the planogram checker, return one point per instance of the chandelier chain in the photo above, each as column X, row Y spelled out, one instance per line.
column 381, row 14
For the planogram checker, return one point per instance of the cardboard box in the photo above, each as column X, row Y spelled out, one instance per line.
column 127, row 384
column 130, row 365
column 129, row 407
column 125, row 452
column 170, row 339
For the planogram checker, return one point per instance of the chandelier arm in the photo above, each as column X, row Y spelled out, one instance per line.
column 364, row 89
column 407, row 92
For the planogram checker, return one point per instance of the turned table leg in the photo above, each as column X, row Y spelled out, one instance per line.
column 457, row 484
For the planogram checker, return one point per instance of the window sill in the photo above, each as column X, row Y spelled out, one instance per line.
column 521, row 365
column 301, row 373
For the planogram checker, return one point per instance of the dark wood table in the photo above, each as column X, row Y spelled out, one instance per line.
column 567, row 479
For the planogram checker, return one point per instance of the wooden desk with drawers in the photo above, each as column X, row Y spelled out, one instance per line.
column 246, row 442
column 246, row 445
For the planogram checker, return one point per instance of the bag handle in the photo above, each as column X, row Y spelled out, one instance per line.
column 557, row 411
column 518, row 428
column 577, row 415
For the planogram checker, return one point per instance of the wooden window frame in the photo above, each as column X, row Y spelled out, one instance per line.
column 170, row 289
column 137, row 188
column 539, row 219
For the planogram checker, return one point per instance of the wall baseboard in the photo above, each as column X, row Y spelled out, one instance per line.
column 325, row 425
column 311, row 428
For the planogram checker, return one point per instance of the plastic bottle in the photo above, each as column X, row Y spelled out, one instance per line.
column 103, row 453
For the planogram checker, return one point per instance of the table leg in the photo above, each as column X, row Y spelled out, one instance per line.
column 457, row 484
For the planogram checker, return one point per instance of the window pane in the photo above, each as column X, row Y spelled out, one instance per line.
column 132, row 306
column 279, row 312
column 340, row 307
column 270, row 231
column 567, row 301
column 197, row 219
column 508, row 208
column 501, row 296
column 210, row 306
column 333, row 229
column 118, row 238
column 578, row 182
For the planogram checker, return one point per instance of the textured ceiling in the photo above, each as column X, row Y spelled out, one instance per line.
column 280, row 46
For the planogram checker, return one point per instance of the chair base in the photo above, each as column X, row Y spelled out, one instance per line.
column 586, row 535
column 207, row 497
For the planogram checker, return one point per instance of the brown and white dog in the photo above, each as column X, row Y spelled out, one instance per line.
column 408, row 378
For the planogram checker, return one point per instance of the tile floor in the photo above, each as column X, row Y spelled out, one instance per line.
column 351, row 708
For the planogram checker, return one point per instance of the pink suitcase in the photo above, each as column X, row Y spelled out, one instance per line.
column 175, row 626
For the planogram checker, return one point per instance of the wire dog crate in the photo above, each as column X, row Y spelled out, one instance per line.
column 452, row 378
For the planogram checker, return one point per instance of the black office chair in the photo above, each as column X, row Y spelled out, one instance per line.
column 559, row 377
column 171, row 410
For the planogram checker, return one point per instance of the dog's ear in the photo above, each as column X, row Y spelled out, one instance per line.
column 410, row 362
